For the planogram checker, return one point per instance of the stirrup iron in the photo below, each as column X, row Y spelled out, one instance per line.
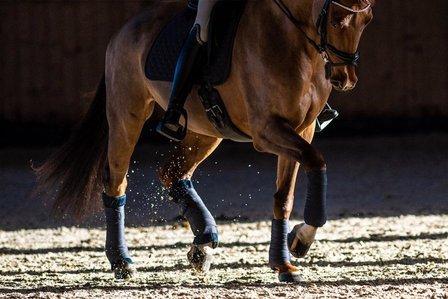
column 173, row 129
column 325, row 118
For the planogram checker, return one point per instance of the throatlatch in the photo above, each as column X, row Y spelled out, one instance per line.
column 194, row 210
column 116, row 249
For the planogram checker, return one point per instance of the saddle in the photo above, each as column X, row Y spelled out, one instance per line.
column 215, row 68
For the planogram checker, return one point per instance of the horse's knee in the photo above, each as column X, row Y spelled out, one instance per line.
column 283, row 205
column 313, row 161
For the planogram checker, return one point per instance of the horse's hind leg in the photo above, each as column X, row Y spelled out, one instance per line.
column 176, row 175
column 128, row 107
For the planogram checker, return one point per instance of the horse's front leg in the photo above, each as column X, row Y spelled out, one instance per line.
column 302, row 235
column 176, row 175
column 279, row 257
column 280, row 138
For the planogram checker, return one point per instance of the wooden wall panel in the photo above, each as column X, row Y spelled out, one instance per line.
column 52, row 52
column 403, row 71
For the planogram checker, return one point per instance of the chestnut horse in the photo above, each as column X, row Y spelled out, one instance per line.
column 287, row 57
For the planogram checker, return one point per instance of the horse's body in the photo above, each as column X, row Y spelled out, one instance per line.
column 276, row 89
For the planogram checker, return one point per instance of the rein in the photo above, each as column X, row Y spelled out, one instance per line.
column 324, row 47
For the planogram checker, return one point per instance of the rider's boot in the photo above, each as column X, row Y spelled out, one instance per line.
column 182, row 83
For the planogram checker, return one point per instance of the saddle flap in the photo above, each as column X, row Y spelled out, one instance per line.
column 162, row 58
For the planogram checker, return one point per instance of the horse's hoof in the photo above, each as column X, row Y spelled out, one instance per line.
column 124, row 271
column 287, row 273
column 298, row 243
column 200, row 257
column 290, row 277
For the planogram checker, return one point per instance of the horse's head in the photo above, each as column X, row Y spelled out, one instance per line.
column 340, row 24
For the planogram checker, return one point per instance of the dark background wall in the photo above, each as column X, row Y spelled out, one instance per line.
column 404, row 63
column 52, row 53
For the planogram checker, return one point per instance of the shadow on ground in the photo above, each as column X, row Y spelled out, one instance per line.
column 375, row 176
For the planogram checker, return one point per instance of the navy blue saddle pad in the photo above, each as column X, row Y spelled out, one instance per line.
column 162, row 58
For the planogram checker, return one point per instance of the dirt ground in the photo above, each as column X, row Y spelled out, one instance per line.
column 387, row 236
column 391, row 257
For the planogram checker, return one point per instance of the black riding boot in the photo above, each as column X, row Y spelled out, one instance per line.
column 325, row 117
column 182, row 83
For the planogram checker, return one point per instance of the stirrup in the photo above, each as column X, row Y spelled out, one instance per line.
column 325, row 118
column 173, row 130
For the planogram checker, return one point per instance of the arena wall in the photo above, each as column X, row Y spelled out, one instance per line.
column 52, row 53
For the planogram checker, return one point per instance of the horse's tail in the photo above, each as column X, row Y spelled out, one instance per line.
column 76, row 171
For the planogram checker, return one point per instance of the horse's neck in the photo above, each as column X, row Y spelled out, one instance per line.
column 282, row 56
column 302, row 10
column 278, row 37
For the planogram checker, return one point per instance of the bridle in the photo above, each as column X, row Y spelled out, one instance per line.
column 324, row 48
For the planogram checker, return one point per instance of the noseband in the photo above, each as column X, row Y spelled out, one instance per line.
column 324, row 48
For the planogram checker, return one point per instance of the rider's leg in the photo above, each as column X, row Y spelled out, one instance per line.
column 203, row 17
column 183, row 81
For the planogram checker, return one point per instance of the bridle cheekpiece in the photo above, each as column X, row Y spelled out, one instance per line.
column 324, row 48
